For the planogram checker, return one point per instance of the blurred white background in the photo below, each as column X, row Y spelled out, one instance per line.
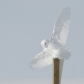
column 23, row 25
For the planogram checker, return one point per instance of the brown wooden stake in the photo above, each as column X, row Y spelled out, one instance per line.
column 56, row 71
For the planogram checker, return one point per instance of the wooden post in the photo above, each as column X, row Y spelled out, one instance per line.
column 56, row 71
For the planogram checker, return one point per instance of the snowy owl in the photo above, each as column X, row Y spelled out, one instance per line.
column 55, row 47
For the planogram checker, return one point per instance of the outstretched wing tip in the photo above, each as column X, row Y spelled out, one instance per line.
column 41, row 60
column 61, row 26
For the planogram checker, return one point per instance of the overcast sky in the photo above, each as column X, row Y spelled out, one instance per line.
column 25, row 23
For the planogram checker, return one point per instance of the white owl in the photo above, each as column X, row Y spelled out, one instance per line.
column 55, row 47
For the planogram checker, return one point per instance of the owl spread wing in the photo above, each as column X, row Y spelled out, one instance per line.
column 41, row 60
column 61, row 27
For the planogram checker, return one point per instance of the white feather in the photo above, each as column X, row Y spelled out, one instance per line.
column 61, row 27
column 41, row 60
column 55, row 47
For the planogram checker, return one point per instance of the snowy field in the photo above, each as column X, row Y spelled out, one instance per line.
column 42, row 81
